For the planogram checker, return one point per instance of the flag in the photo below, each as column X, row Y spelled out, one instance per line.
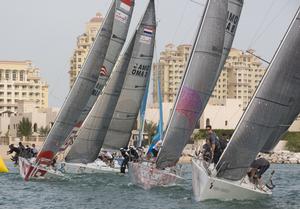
column 126, row 5
column 148, row 31
column 128, row 2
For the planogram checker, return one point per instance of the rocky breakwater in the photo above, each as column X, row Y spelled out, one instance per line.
column 283, row 157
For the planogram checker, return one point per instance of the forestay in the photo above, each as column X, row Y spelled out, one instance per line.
column 80, row 92
column 91, row 135
column 276, row 102
column 203, row 69
column 128, row 105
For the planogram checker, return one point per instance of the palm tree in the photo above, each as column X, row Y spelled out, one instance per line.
column 25, row 127
column 44, row 131
column 150, row 128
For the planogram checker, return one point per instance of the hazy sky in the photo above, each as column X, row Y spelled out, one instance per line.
column 45, row 31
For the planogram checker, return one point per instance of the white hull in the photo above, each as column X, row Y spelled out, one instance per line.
column 28, row 170
column 96, row 167
column 145, row 175
column 208, row 187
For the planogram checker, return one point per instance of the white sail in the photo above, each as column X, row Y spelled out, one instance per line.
column 124, row 117
column 205, row 64
column 276, row 101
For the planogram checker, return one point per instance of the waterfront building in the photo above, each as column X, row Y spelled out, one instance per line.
column 170, row 69
column 83, row 45
column 239, row 79
column 20, row 80
column 39, row 117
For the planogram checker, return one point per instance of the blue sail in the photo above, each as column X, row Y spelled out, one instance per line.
column 142, row 114
column 159, row 129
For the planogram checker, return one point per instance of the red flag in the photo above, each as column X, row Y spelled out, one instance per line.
column 128, row 2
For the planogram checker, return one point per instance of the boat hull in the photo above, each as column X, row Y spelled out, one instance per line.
column 207, row 187
column 145, row 175
column 28, row 170
column 79, row 168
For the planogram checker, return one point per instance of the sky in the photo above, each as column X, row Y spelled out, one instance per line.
column 46, row 31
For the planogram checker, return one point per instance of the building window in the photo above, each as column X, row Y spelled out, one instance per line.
column 21, row 76
column 14, row 76
column 7, row 75
column 226, row 122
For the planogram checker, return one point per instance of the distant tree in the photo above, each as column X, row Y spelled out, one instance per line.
column 150, row 129
column 25, row 127
column 44, row 131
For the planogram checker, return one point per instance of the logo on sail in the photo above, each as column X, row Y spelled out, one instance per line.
column 122, row 17
column 140, row 70
column 232, row 21
column 125, row 4
column 103, row 71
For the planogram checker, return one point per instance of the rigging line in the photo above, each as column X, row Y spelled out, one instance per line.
column 271, row 23
column 261, row 25
column 196, row 2
column 180, row 21
column 249, row 52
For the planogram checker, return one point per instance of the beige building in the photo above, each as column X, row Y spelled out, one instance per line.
column 170, row 69
column 39, row 117
column 20, row 80
column 239, row 78
column 84, row 43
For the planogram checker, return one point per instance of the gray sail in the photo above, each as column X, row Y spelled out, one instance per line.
column 91, row 135
column 123, row 14
column 83, row 87
column 203, row 69
column 79, row 94
column 276, row 101
column 128, row 106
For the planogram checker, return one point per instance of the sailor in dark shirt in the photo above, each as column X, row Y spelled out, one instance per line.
column 261, row 165
column 214, row 143
column 16, row 150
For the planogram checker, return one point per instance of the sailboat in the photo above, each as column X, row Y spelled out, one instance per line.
column 271, row 111
column 133, row 90
column 211, row 47
column 128, row 81
column 88, row 85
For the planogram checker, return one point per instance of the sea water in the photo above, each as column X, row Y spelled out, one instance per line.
column 115, row 191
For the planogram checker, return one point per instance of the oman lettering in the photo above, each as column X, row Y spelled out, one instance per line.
column 232, row 21
column 140, row 70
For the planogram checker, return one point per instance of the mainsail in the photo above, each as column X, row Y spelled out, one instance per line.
column 276, row 102
column 128, row 106
column 90, row 137
column 86, row 81
column 92, row 133
column 211, row 48
column 123, row 14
